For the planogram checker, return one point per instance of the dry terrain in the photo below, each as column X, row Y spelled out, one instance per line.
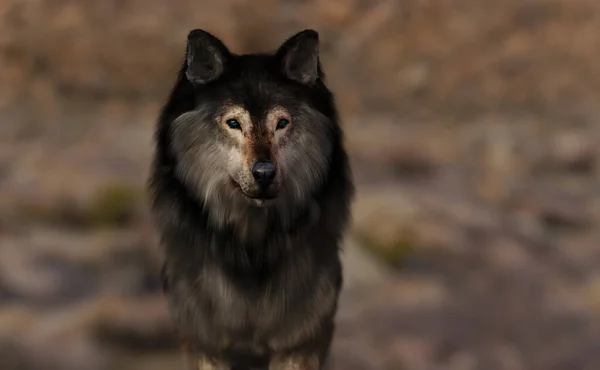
column 472, row 127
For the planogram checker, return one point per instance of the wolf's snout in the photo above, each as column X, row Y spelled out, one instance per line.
column 264, row 172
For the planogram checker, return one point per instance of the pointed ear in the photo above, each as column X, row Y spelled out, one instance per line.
column 299, row 57
column 206, row 57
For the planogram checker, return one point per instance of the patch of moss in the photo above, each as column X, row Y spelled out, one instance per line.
column 392, row 251
column 115, row 205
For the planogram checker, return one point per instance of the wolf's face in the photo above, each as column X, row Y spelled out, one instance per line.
column 259, row 131
column 253, row 150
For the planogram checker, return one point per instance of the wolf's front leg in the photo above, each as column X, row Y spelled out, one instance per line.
column 295, row 362
column 195, row 360
column 205, row 363
column 201, row 362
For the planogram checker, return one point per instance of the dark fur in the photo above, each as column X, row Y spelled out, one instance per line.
column 269, row 287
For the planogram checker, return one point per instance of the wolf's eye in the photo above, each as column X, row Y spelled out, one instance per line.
column 234, row 124
column 282, row 123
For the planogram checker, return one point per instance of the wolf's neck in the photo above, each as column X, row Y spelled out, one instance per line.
column 253, row 237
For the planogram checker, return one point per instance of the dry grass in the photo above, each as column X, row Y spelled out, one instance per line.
column 461, row 57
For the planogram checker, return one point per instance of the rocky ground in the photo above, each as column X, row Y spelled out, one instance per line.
column 472, row 130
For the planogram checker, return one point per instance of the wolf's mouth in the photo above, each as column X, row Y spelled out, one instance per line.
column 260, row 194
column 260, row 200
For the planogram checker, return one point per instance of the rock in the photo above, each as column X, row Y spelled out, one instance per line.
column 384, row 222
column 49, row 266
column 361, row 269
column 89, row 336
column 573, row 151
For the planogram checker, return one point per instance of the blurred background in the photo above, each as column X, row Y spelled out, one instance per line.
column 473, row 131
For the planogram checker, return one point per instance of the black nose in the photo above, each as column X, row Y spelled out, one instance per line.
column 263, row 172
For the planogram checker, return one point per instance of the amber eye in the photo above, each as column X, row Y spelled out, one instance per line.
column 282, row 123
column 233, row 124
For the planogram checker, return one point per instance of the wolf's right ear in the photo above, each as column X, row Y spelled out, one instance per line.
column 206, row 57
column 299, row 57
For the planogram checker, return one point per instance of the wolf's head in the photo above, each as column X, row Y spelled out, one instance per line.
column 260, row 130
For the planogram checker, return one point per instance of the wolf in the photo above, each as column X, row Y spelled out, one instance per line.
column 251, row 193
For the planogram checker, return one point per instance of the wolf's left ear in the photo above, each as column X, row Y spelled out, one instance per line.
column 206, row 57
column 299, row 57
